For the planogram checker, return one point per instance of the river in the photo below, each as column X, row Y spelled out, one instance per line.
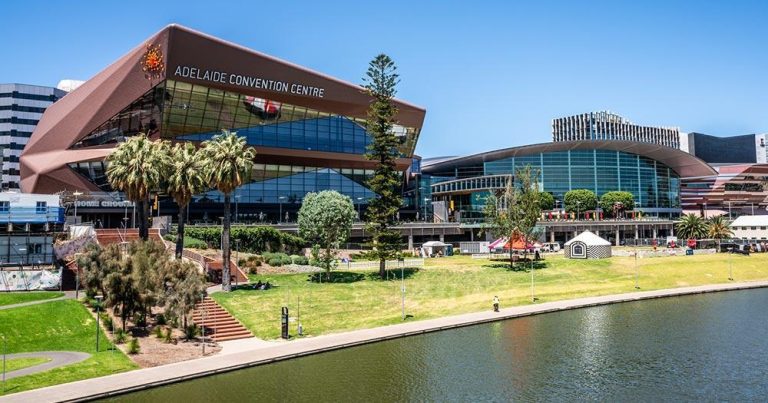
column 700, row 347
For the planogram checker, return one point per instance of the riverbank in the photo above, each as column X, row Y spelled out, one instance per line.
column 141, row 379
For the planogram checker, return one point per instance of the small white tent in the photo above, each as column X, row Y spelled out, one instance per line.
column 587, row 246
column 432, row 248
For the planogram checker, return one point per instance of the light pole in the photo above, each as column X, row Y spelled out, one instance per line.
column 730, row 264
column 426, row 199
column 5, row 348
column 637, row 271
column 753, row 208
column 98, row 306
column 402, row 286
column 76, row 193
column 280, row 217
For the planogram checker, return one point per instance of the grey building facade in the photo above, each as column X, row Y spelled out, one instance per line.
column 21, row 107
column 605, row 125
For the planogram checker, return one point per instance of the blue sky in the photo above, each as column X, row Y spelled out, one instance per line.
column 491, row 74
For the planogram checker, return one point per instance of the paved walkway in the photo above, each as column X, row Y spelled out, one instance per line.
column 67, row 295
column 260, row 354
column 58, row 359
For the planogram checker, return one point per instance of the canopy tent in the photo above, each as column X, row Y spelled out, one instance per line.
column 587, row 246
column 517, row 243
column 433, row 248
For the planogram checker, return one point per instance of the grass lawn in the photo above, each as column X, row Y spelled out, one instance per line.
column 58, row 325
column 17, row 297
column 14, row 364
column 454, row 285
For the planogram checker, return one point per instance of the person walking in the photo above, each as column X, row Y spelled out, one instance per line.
column 495, row 303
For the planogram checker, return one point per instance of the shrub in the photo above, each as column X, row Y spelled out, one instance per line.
column 160, row 319
column 252, row 239
column 275, row 262
column 242, row 262
column 191, row 331
column 133, row 346
column 120, row 336
column 168, row 337
column 139, row 320
column 107, row 320
column 190, row 242
column 159, row 332
column 301, row 260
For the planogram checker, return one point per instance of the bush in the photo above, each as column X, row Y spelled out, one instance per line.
column 160, row 319
column 252, row 239
column 107, row 320
column 275, row 262
column 120, row 336
column 159, row 332
column 301, row 260
column 190, row 242
column 168, row 337
column 191, row 331
column 133, row 346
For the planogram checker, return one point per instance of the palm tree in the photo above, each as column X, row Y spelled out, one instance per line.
column 691, row 226
column 186, row 178
column 719, row 229
column 229, row 163
column 136, row 168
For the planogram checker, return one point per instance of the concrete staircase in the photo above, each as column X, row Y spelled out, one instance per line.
column 219, row 324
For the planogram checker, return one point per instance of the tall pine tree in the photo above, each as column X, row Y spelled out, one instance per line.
column 380, row 82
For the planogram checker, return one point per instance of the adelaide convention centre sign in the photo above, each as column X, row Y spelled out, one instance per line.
column 241, row 80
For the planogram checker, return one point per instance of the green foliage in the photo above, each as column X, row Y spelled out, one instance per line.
column 133, row 346
column 120, row 336
column 546, row 201
column 137, row 167
column 107, row 321
column 380, row 82
column 609, row 201
column 300, row 260
column 168, row 336
column 191, row 331
column 325, row 220
column 252, row 239
column 718, row 228
column 580, row 200
column 159, row 332
column 513, row 212
column 160, row 319
column 691, row 226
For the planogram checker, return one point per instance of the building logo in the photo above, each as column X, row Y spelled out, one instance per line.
column 263, row 108
column 152, row 62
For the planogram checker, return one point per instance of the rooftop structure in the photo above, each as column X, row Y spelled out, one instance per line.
column 605, row 125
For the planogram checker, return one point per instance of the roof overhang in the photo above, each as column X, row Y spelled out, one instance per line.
column 684, row 164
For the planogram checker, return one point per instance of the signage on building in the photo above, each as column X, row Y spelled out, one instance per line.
column 241, row 80
column 104, row 203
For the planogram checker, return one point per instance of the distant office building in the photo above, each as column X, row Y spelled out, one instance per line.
column 750, row 227
column 21, row 107
column 28, row 223
column 609, row 126
column 744, row 149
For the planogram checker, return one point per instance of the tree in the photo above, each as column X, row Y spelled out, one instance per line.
column 579, row 200
column 609, row 200
column 136, row 168
column 229, row 162
column 691, row 226
column 513, row 213
column 182, row 287
column 95, row 264
column 719, row 229
column 546, row 201
column 186, row 177
column 325, row 220
column 380, row 85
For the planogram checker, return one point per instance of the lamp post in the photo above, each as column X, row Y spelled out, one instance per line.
column 402, row 285
column 637, row 271
column 202, row 321
column 76, row 193
column 426, row 199
column 730, row 264
column 280, row 217
column 5, row 348
column 98, row 306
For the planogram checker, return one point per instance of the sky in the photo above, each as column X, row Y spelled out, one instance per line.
column 491, row 74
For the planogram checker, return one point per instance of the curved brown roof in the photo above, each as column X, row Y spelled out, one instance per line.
column 686, row 165
column 44, row 161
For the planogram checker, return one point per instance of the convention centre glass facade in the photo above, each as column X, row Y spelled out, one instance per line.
column 655, row 186
column 181, row 111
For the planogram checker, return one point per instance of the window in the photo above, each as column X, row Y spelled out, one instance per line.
column 42, row 207
column 5, row 206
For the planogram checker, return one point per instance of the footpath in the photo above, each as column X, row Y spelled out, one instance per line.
column 265, row 353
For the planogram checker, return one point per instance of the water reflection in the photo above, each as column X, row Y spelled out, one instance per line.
column 704, row 347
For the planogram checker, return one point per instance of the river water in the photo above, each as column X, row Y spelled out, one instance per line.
column 702, row 347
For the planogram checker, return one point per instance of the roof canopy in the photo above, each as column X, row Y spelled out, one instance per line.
column 686, row 165
column 589, row 239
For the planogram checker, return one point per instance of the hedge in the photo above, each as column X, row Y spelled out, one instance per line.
column 252, row 239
